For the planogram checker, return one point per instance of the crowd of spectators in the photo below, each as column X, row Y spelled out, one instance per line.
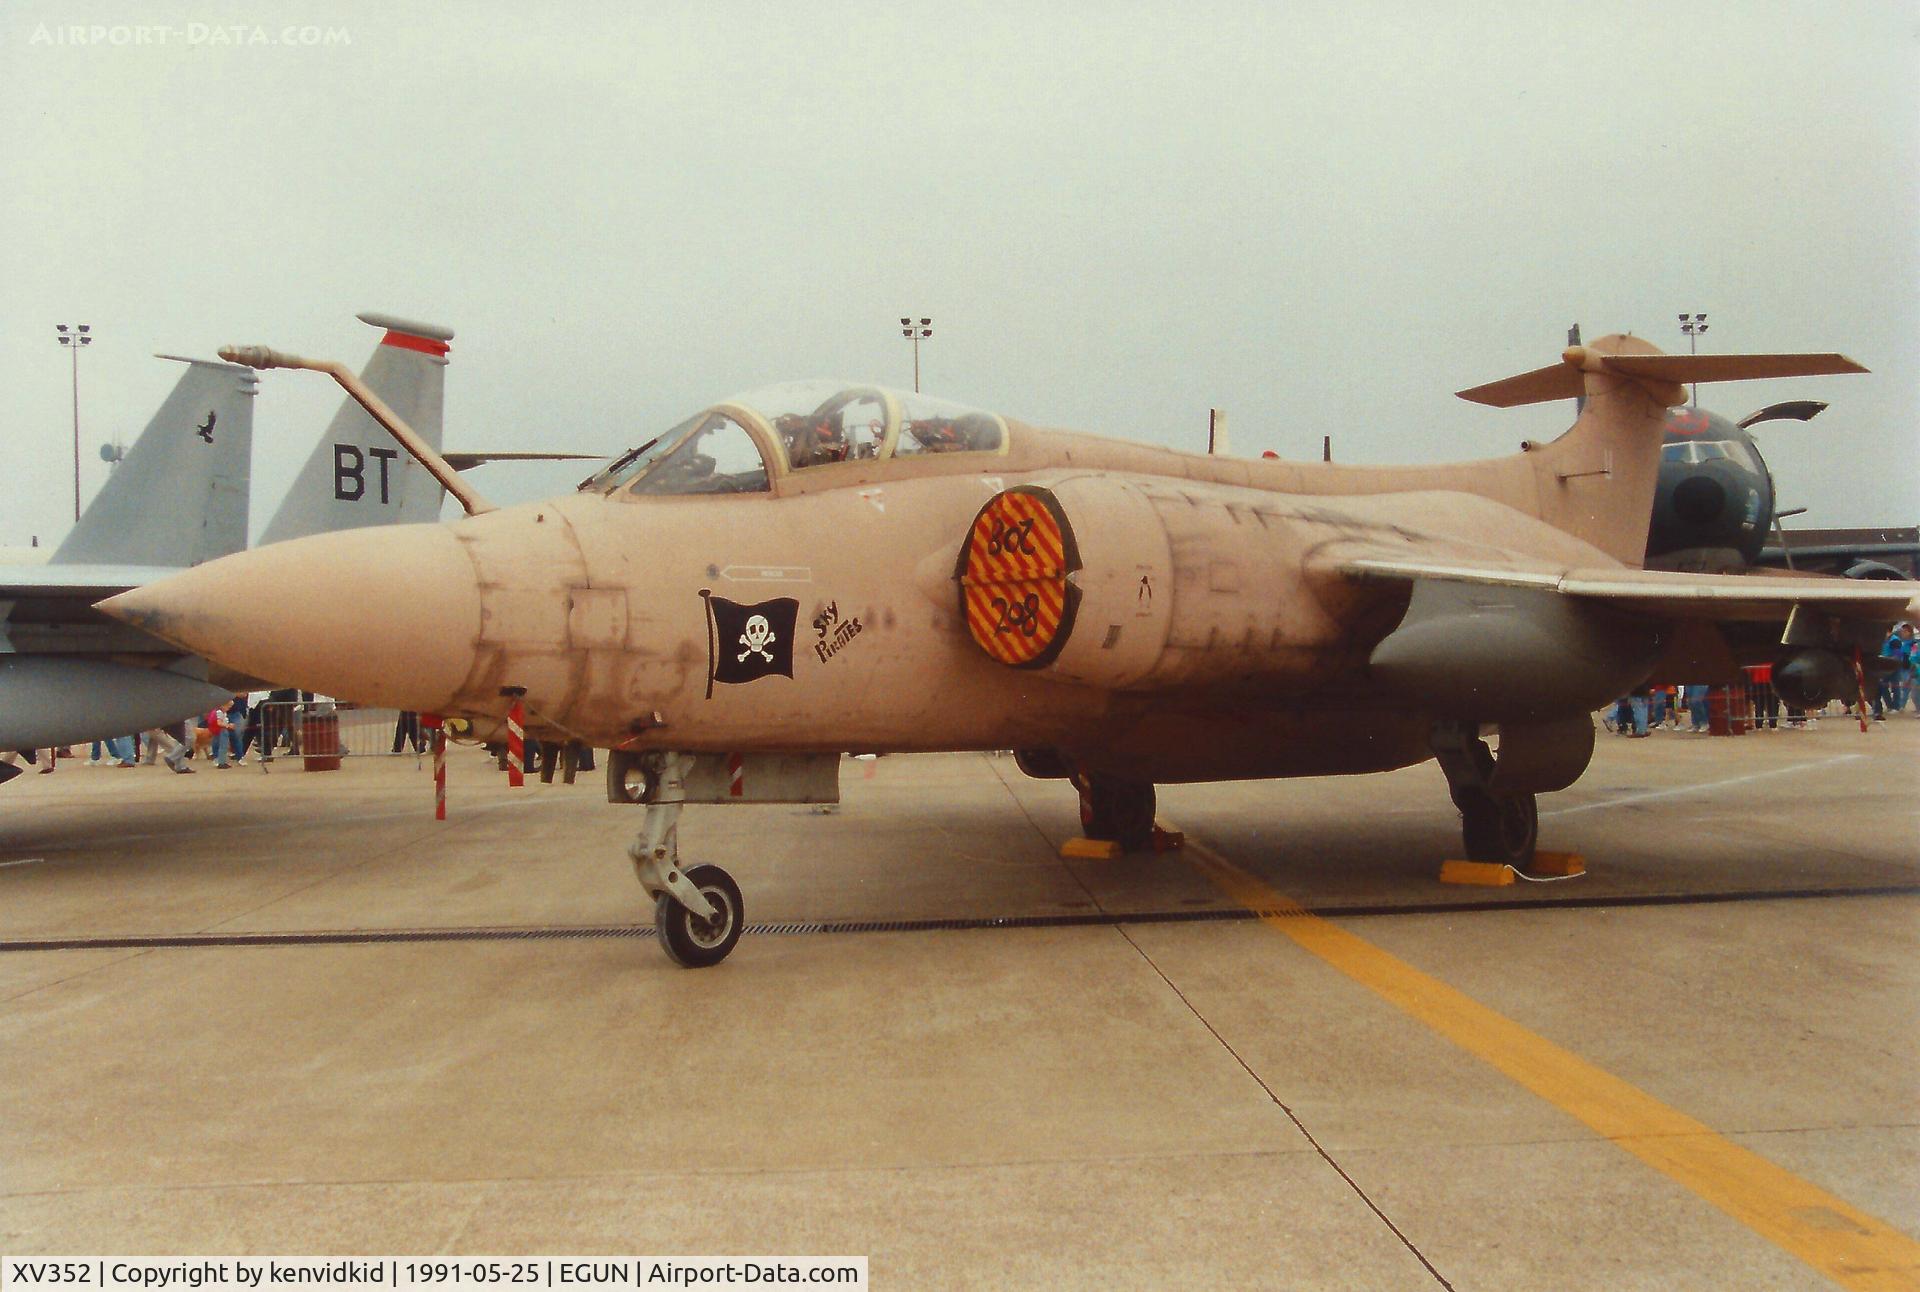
column 224, row 735
column 257, row 725
column 261, row 726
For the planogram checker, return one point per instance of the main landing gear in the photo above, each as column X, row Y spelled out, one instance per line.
column 696, row 911
column 1499, row 825
column 1114, row 808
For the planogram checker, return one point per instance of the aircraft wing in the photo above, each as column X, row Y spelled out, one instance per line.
column 47, row 610
column 88, row 582
column 1660, row 593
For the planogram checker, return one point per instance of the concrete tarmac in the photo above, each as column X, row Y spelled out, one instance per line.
column 291, row 1013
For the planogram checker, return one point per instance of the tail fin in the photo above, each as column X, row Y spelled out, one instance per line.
column 357, row 476
column 1597, row 481
column 179, row 497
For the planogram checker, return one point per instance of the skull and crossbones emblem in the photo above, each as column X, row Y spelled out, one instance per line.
column 756, row 639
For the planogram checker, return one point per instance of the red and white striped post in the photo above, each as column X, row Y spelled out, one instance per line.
column 516, row 736
column 431, row 721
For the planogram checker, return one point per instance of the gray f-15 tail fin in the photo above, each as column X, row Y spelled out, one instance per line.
column 179, row 497
column 357, row 475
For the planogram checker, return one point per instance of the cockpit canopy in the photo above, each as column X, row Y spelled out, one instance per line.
column 1694, row 452
column 1695, row 435
column 741, row 445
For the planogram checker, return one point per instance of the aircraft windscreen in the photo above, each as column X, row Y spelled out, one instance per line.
column 635, row 461
column 1746, row 455
column 719, row 456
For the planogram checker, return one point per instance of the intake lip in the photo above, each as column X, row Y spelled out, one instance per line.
column 1699, row 500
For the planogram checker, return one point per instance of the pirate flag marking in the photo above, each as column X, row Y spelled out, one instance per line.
column 745, row 643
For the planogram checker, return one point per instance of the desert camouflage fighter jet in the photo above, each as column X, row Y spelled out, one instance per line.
column 818, row 568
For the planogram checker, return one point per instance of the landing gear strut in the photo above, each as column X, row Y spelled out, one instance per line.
column 1112, row 807
column 697, row 912
column 1498, row 825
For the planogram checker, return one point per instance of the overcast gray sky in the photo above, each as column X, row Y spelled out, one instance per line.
column 1323, row 218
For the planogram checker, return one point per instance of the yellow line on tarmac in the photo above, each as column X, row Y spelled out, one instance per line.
column 1847, row 1245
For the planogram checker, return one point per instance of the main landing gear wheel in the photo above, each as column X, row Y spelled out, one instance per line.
column 1499, row 827
column 1117, row 809
column 691, row 941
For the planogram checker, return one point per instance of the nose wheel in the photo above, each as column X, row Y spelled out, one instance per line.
column 697, row 912
column 695, row 941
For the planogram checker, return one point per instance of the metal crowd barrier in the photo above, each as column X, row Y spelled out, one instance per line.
column 326, row 729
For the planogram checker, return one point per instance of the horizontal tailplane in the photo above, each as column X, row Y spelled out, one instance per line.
column 1566, row 379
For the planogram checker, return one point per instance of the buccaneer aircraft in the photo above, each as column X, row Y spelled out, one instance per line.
column 812, row 569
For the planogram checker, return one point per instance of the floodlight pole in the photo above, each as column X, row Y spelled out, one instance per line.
column 74, row 338
column 916, row 333
column 1693, row 325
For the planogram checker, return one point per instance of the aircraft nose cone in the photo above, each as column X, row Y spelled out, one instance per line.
column 384, row 615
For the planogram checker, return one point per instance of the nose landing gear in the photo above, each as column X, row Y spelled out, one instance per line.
column 698, row 912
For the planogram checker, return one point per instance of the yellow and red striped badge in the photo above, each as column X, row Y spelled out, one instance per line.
column 1013, row 578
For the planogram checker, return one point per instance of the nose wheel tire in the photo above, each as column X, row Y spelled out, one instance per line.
column 690, row 941
column 1499, row 827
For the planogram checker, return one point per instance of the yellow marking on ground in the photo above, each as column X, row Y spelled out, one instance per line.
column 1846, row 1244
